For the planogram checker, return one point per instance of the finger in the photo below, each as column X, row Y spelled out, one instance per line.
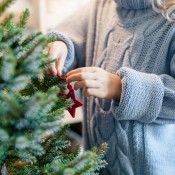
column 86, row 84
column 91, row 92
column 80, row 77
column 54, row 53
column 46, row 71
column 82, row 69
column 60, row 65
column 54, row 50
column 53, row 70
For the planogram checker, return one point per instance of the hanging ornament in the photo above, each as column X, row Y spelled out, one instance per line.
column 77, row 103
column 71, row 95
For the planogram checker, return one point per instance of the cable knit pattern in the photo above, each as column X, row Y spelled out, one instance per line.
column 134, row 4
column 139, row 46
column 142, row 96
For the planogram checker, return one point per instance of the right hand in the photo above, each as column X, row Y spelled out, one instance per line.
column 57, row 50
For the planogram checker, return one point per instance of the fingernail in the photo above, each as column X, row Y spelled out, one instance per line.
column 64, row 76
column 54, row 73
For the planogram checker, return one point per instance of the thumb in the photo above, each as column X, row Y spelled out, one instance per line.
column 60, row 63
column 53, row 55
column 58, row 51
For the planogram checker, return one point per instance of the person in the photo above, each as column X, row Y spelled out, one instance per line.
column 122, row 54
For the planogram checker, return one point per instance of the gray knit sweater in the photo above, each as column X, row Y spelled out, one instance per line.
column 126, row 37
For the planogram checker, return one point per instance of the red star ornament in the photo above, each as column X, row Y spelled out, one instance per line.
column 76, row 104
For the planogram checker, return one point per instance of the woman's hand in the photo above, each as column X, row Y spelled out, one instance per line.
column 57, row 50
column 96, row 81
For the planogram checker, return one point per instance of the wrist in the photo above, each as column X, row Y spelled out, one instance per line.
column 118, row 87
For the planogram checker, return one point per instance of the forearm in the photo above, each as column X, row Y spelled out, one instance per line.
column 145, row 97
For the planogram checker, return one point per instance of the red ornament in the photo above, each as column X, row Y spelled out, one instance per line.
column 77, row 103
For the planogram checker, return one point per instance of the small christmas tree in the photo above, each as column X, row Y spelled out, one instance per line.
column 32, row 138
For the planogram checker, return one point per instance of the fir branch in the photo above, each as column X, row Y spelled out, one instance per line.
column 7, row 19
column 31, row 109
column 13, row 36
column 19, row 82
column 52, row 38
column 52, row 145
column 49, row 81
column 72, row 155
column 3, row 153
column 39, row 43
column 90, row 161
column 4, row 5
column 27, row 91
column 24, row 18
column 12, row 105
column 8, row 63
column 14, row 39
column 43, row 84
column 30, row 38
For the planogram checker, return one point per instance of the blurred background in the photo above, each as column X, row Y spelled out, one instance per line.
column 45, row 15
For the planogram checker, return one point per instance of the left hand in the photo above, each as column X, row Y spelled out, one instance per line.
column 96, row 81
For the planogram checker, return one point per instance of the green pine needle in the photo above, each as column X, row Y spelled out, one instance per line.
column 4, row 5
column 32, row 136
column 24, row 18
column 7, row 19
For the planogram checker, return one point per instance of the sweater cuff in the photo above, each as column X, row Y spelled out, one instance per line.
column 142, row 96
column 70, row 61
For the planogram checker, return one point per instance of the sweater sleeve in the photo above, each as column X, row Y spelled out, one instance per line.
column 73, row 32
column 146, row 97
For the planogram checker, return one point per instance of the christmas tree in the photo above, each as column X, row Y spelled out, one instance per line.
column 32, row 137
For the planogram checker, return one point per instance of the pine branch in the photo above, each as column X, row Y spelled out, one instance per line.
column 30, row 38
column 39, row 42
column 3, row 153
column 13, row 38
column 4, row 5
column 7, row 19
column 12, row 105
column 8, row 63
column 24, row 18
column 43, row 84
column 32, row 138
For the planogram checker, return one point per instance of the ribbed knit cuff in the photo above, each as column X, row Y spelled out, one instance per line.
column 142, row 96
column 70, row 60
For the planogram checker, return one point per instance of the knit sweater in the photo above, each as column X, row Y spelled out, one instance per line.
column 127, row 38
